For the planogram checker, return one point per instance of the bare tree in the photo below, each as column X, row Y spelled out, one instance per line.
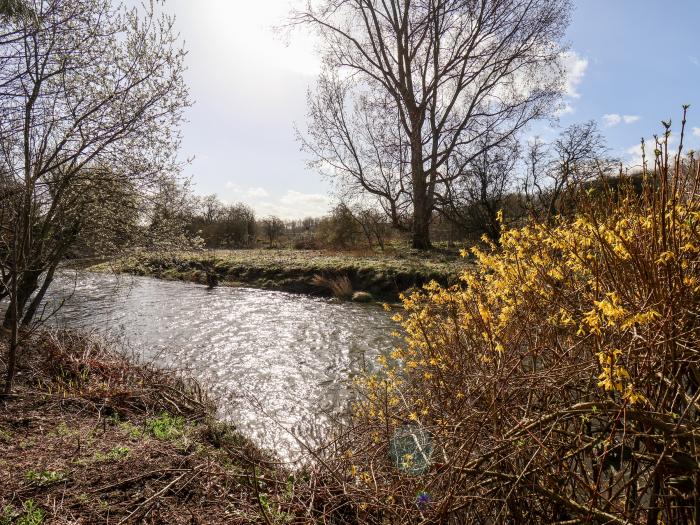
column 273, row 228
column 408, row 85
column 92, row 97
column 577, row 156
column 475, row 200
column 374, row 225
column 210, row 208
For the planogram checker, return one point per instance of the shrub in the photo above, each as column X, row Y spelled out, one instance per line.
column 339, row 229
column 305, row 244
column 32, row 515
column 558, row 381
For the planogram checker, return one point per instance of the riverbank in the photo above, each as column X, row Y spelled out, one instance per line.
column 299, row 271
column 91, row 437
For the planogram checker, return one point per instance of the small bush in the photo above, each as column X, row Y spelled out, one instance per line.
column 339, row 229
column 7, row 515
column 31, row 515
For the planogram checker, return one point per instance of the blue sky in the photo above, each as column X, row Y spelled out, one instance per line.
column 643, row 62
column 633, row 63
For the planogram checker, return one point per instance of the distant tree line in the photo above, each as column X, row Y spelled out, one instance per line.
column 222, row 225
column 505, row 184
column 236, row 226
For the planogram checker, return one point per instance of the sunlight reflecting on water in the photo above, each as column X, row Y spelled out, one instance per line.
column 276, row 360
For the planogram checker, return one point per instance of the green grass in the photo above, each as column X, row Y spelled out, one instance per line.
column 116, row 454
column 166, row 427
column 44, row 477
column 7, row 515
column 5, row 436
column 30, row 515
column 135, row 433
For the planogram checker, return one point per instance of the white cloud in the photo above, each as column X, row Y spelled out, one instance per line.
column 295, row 205
column 575, row 67
column 633, row 154
column 257, row 192
column 249, row 193
column 566, row 109
column 696, row 132
column 613, row 119
column 290, row 205
column 695, row 61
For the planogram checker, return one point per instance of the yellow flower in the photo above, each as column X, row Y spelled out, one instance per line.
column 665, row 258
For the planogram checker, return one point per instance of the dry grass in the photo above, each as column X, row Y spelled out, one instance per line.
column 340, row 287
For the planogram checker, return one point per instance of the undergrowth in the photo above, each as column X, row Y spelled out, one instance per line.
column 92, row 437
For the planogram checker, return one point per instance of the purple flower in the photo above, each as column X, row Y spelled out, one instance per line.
column 422, row 499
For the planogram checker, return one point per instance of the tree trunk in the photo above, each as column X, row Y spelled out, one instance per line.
column 28, row 283
column 36, row 301
column 421, row 229
column 12, row 325
column 421, row 207
column 11, row 358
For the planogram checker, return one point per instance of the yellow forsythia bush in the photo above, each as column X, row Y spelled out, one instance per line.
column 558, row 382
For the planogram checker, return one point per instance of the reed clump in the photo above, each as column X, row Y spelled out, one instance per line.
column 559, row 382
column 340, row 287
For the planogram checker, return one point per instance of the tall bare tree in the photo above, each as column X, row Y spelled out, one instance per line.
column 408, row 84
column 91, row 100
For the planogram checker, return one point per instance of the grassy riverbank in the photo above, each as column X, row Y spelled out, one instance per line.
column 298, row 271
column 90, row 437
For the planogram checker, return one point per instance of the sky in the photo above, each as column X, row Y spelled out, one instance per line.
column 632, row 63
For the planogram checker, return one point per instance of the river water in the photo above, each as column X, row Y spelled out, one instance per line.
column 279, row 363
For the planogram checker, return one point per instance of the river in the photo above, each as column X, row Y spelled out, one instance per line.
column 278, row 363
